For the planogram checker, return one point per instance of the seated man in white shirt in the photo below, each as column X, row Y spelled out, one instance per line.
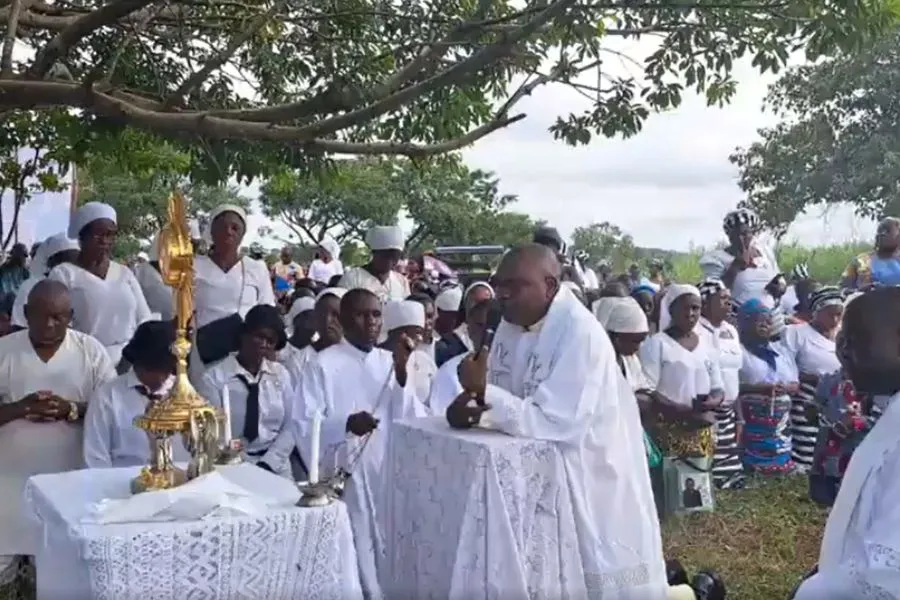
column 255, row 388
column 47, row 374
column 378, row 275
column 358, row 390
column 110, row 437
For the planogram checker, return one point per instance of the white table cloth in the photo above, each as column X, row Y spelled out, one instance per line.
column 289, row 553
column 476, row 515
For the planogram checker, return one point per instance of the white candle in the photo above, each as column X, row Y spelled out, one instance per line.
column 314, row 449
column 226, row 409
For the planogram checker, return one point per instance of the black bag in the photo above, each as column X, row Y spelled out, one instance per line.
column 218, row 339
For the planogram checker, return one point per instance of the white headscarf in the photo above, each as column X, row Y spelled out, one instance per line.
column 51, row 246
column 331, row 247
column 223, row 208
column 673, row 293
column 337, row 292
column 88, row 213
column 625, row 315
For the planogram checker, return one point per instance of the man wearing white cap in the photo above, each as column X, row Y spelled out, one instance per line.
column 55, row 250
column 404, row 323
column 378, row 275
column 447, row 304
column 327, row 263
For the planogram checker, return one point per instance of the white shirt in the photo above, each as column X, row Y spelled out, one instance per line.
column 109, row 309
column 396, row 287
column 422, row 369
column 812, row 352
column 294, row 360
column 79, row 366
column 275, row 442
column 755, row 371
column 678, row 373
column 724, row 339
column 323, row 272
column 560, row 382
column 219, row 294
column 18, row 311
column 160, row 297
column 110, row 436
column 861, row 546
column 445, row 387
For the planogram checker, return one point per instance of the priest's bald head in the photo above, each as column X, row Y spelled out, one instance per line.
column 870, row 341
column 526, row 282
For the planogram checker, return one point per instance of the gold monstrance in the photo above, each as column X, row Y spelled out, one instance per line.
column 184, row 411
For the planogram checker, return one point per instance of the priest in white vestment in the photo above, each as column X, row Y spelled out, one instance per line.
column 47, row 374
column 356, row 390
column 551, row 374
column 860, row 555
column 378, row 275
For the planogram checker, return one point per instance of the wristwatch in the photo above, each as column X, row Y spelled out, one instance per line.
column 73, row 412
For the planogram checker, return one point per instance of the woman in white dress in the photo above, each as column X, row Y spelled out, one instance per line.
column 682, row 368
column 226, row 286
column 107, row 301
column 747, row 265
column 811, row 346
column 721, row 335
column 327, row 263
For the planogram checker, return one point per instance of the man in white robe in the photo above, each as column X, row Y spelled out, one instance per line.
column 860, row 555
column 551, row 374
column 47, row 374
column 358, row 390
column 378, row 275
column 404, row 322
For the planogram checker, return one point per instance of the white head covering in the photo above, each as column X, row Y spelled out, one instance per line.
column 385, row 237
column 403, row 313
column 56, row 244
column 450, row 299
column 143, row 256
column 223, row 208
column 602, row 307
column 87, row 213
column 477, row 284
column 300, row 305
column 331, row 247
column 337, row 292
column 625, row 316
column 673, row 292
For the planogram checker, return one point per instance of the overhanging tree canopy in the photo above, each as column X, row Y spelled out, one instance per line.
column 406, row 77
column 839, row 141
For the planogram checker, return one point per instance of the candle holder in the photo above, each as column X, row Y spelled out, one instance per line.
column 231, row 453
column 316, row 495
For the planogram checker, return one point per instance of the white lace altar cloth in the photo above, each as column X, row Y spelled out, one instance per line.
column 477, row 515
column 290, row 553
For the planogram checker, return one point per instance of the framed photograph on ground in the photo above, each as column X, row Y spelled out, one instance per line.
column 689, row 486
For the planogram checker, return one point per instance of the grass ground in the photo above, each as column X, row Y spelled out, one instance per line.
column 761, row 539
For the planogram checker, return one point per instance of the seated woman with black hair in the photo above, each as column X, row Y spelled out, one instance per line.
column 254, row 385
column 110, row 437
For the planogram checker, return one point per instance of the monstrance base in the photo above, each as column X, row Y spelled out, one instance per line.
column 150, row 479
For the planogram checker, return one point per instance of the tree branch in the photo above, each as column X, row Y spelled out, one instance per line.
column 80, row 28
column 9, row 41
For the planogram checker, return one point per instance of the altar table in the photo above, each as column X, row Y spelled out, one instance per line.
column 476, row 515
column 289, row 553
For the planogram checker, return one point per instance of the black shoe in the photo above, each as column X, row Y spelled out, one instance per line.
column 708, row 585
column 675, row 573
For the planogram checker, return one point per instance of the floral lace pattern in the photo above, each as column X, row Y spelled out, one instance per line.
column 478, row 514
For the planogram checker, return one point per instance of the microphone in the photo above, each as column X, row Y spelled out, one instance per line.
column 494, row 316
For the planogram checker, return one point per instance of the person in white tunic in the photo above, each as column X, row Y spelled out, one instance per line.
column 747, row 265
column 300, row 326
column 55, row 250
column 47, row 374
column 378, row 275
column 721, row 335
column 861, row 546
column 812, row 347
column 107, row 301
column 404, row 322
column 226, row 286
column 429, row 340
column 445, row 386
column 551, row 374
column 327, row 263
column 160, row 297
column 326, row 325
column 110, row 437
column 257, row 391
column 357, row 390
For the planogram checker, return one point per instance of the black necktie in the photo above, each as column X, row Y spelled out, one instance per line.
column 146, row 393
column 251, row 417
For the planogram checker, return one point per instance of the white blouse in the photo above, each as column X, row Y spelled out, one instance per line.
column 755, row 371
column 395, row 288
column 323, row 272
column 219, row 294
column 812, row 352
column 678, row 373
column 724, row 339
column 109, row 309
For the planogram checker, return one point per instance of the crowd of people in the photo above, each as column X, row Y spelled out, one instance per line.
column 749, row 371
